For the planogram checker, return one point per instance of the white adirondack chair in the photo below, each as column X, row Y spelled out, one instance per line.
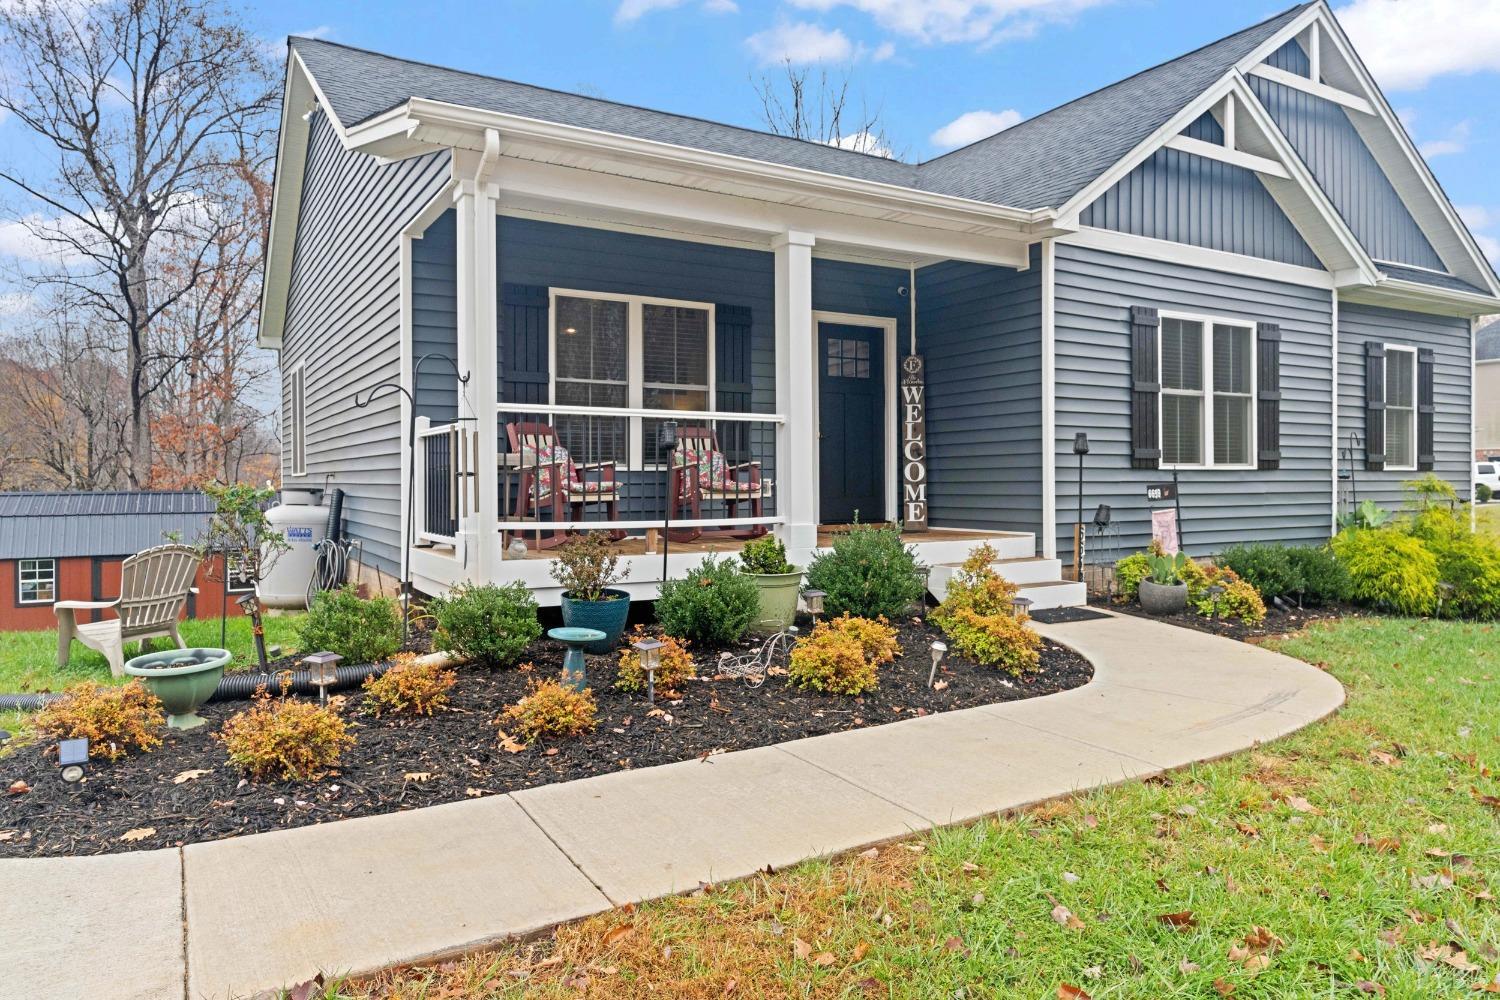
column 154, row 585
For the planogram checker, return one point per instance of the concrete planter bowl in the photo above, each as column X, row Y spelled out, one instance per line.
column 1161, row 599
column 607, row 616
column 183, row 679
column 778, row 600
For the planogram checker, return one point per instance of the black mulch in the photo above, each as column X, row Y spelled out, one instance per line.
column 1279, row 620
column 1066, row 616
column 404, row 763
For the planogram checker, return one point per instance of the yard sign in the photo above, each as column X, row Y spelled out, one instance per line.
column 913, row 444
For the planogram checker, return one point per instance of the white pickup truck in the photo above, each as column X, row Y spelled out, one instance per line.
column 1488, row 474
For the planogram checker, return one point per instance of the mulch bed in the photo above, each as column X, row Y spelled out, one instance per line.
column 1279, row 621
column 407, row 762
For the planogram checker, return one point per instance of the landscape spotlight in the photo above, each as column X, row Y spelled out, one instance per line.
column 814, row 601
column 72, row 759
column 322, row 670
column 649, row 651
column 938, row 649
column 1020, row 605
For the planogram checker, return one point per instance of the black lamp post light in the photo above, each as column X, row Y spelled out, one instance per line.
column 1080, row 448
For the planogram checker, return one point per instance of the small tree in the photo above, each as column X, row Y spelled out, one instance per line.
column 248, row 543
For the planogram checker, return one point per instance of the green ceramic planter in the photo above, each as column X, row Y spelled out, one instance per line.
column 184, row 679
column 778, row 600
column 606, row 616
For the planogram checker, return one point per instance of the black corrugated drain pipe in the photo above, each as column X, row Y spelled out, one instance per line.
column 232, row 687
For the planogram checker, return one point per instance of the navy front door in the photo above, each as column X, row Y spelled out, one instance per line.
column 851, row 423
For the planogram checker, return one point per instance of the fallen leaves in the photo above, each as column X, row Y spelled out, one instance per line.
column 1067, row 991
column 1181, row 920
column 1448, row 954
column 1064, row 916
column 138, row 834
column 617, row 934
column 1301, row 805
column 510, row 744
column 417, row 776
column 1255, row 954
column 18, row 787
column 191, row 775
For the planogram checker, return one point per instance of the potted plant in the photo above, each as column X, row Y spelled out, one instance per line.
column 587, row 567
column 184, row 679
column 777, row 583
column 1164, row 591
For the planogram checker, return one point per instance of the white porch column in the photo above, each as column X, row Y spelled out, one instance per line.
column 796, row 386
column 474, row 200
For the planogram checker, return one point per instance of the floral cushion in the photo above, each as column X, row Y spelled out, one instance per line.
column 712, row 472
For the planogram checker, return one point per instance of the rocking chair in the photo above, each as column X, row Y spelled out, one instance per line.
column 549, row 476
column 701, row 473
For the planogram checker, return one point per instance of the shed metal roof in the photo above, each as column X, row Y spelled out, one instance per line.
column 117, row 523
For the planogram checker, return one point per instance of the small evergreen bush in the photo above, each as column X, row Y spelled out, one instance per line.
column 868, row 572
column 587, row 565
column 765, row 556
column 361, row 631
column 283, row 739
column 713, row 605
column 409, row 686
column 1324, row 578
column 1268, row 567
column 488, row 624
column 552, row 710
column 1388, row 569
column 1470, row 564
column 115, row 720
column 843, row 655
column 675, row 669
column 1483, row 493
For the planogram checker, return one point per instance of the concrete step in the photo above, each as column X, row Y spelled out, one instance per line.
column 1055, row 594
column 935, row 550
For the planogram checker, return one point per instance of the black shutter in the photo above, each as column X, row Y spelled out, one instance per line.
column 1268, row 395
column 1145, row 389
column 523, row 343
column 732, row 326
column 1374, row 406
column 1425, row 364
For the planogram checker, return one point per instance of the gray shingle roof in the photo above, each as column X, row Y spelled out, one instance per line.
column 1487, row 341
column 65, row 525
column 1039, row 163
column 1422, row 277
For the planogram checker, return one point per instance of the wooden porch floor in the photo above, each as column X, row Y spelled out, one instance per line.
column 636, row 544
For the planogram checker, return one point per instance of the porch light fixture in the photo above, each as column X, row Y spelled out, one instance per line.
column 814, row 601
column 1020, row 605
column 938, row 649
column 72, row 760
column 322, row 671
column 649, row 650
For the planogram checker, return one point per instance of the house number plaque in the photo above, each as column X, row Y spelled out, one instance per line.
column 913, row 444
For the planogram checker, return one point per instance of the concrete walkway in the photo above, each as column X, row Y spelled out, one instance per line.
column 233, row 917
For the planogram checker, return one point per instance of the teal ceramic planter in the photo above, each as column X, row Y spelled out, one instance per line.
column 605, row 616
column 778, row 600
column 184, row 679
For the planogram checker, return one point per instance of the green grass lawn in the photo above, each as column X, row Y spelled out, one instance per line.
column 1487, row 517
column 1356, row 858
column 28, row 660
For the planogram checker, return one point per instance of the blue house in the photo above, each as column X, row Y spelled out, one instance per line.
column 1232, row 270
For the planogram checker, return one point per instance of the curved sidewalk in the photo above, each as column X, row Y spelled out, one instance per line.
column 232, row 917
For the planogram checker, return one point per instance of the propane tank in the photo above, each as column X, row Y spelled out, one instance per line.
column 303, row 523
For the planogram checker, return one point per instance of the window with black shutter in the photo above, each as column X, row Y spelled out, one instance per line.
column 1426, row 361
column 1374, row 406
column 1145, row 389
column 1268, row 395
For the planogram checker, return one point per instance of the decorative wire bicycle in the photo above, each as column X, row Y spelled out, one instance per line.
column 755, row 666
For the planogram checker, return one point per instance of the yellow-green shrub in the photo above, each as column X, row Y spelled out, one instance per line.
column 114, row 720
column 1388, row 568
column 831, row 661
column 675, row 669
column 283, row 739
column 976, row 587
column 876, row 637
column 999, row 640
column 1470, row 563
column 1129, row 572
column 1240, row 601
column 552, row 710
column 409, row 685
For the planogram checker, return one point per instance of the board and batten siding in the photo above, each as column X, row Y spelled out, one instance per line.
column 1094, row 293
column 1448, row 337
column 434, row 317
column 979, row 331
column 343, row 321
column 1327, row 141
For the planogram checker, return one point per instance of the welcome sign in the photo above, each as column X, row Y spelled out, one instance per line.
column 913, row 444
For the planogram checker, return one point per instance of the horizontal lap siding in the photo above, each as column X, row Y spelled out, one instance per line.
column 979, row 330
column 582, row 259
column 1449, row 340
column 1094, row 293
column 344, row 320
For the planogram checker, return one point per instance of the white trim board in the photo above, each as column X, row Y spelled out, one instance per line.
column 889, row 325
column 1049, row 400
column 1191, row 256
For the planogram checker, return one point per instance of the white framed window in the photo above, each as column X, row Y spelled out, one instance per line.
column 36, row 581
column 1400, row 408
column 1207, row 375
column 297, row 418
column 627, row 351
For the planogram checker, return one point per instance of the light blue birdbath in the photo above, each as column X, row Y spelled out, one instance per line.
column 575, row 673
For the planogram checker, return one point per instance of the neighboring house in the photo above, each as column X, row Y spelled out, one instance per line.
column 69, row 546
column 1487, row 390
column 1227, row 269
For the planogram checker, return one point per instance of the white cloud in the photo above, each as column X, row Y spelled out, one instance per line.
column 863, row 142
column 634, row 10
column 1479, row 219
column 801, row 42
column 1456, row 141
column 16, row 304
column 971, row 126
column 948, row 21
column 275, row 48
column 883, row 51
column 1406, row 43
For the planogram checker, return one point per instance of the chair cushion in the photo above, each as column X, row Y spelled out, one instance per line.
column 712, row 473
column 740, row 491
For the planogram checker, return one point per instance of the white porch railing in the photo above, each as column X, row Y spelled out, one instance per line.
column 445, row 458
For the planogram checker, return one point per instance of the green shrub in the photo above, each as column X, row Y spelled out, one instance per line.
column 1324, row 578
column 587, row 565
column 996, row 640
column 1129, row 572
column 1239, row 600
column 976, row 587
column 1470, row 564
column 1266, row 566
column 713, row 605
column 868, row 573
column 1388, row 569
column 1428, row 490
column 487, row 624
column 766, row 556
column 1368, row 514
column 361, row 631
column 1483, row 493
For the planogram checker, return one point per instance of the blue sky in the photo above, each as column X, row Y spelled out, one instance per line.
column 942, row 72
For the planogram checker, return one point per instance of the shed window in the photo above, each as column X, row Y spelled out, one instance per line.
column 38, row 580
column 297, row 418
column 1400, row 408
column 1207, row 393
